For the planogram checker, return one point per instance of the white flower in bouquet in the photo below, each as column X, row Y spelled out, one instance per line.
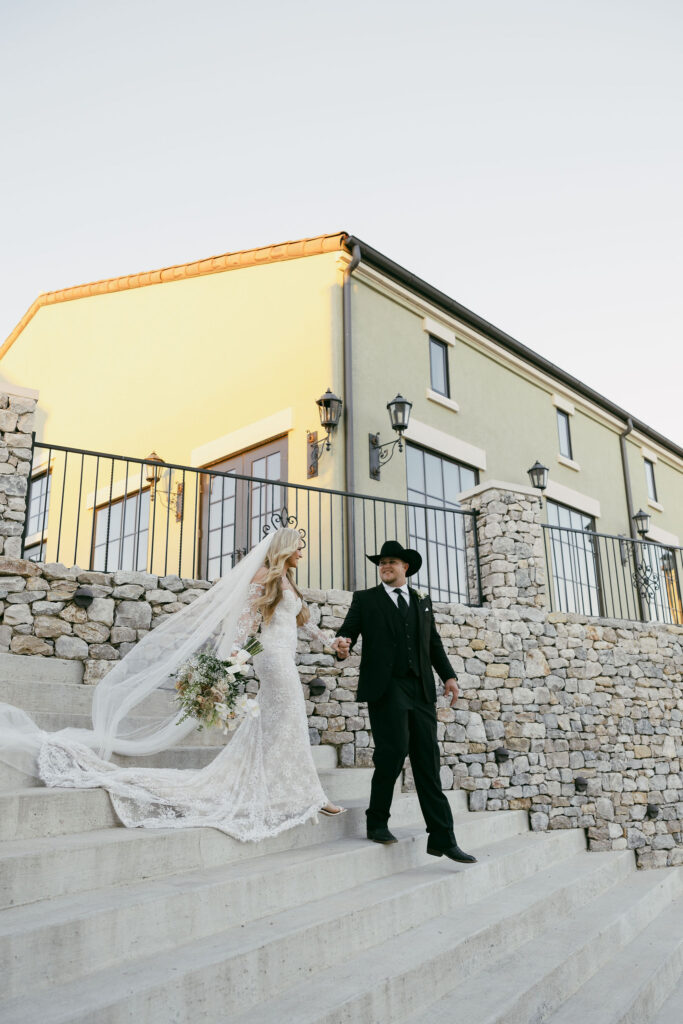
column 253, row 709
column 240, row 657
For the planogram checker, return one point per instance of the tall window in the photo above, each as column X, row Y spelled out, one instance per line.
column 564, row 432
column 438, row 367
column 438, row 536
column 122, row 534
column 650, row 477
column 574, row 562
column 38, row 506
column 234, row 512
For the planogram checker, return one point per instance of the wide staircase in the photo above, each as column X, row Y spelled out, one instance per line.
column 104, row 924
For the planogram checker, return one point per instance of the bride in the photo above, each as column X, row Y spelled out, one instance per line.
column 264, row 780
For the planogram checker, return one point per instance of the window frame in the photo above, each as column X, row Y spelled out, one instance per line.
column 650, row 479
column 576, row 552
column 562, row 416
column 443, row 347
column 241, row 463
column 138, row 494
column 436, row 533
column 38, row 538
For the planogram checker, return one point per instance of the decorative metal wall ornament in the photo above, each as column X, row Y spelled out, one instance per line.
column 281, row 519
column 646, row 580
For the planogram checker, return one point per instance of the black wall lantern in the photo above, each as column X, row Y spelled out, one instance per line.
column 330, row 409
column 652, row 811
column 501, row 755
column 580, row 784
column 538, row 475
column 642, row 521
column 399, row 416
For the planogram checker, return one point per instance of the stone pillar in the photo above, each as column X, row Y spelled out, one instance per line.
column 511, row 554
column 16, row 425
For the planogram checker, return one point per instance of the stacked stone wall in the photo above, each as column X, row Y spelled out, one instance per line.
column 565, row 696
column 16, row 426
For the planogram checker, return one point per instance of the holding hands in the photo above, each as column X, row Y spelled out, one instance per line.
column 341, row 646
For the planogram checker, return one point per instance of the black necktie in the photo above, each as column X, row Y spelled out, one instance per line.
column 401, row 602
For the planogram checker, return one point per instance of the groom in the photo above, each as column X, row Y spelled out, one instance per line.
column 400, row 646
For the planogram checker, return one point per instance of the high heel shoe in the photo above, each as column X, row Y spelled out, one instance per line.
column 333, row 814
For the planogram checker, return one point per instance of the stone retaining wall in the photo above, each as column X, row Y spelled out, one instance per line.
column 564, row 695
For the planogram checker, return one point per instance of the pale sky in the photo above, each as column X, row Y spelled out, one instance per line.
column 524, row 156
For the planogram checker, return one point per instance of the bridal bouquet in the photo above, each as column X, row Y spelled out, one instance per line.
column 209, row 688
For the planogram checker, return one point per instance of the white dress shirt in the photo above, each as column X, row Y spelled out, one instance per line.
column 394, row 597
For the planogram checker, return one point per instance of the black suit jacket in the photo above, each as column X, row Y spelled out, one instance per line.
column 373, row 616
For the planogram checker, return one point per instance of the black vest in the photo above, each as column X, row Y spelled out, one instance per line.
column 407, row 660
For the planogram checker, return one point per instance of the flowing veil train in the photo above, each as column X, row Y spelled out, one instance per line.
column 259, row 784
column 209, row 622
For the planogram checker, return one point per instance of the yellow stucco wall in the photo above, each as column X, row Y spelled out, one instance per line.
column 173, row 366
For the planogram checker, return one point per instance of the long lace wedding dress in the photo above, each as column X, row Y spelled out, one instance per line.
column 262, row 782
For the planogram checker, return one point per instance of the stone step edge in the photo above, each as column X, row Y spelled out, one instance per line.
column 640, row 977
column 393, row 891
column 138, row 892
column 113, row 986
column 218, row 848
column 577, row 947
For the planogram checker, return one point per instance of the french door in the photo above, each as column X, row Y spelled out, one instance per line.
column 234, row 511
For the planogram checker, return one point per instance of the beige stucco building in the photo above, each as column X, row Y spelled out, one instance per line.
column 218, row 364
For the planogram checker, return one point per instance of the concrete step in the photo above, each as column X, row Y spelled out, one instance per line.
column 229, row 975
column 324, row 758
column 536, row 979
column 41, row 868
column 37, row 812
column 637, row 980
column 65, row 694
column 348, row 879
column 27, row 668
column 671, row 1011
column 397, row 980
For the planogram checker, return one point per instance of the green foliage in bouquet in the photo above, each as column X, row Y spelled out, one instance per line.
column 209, row 688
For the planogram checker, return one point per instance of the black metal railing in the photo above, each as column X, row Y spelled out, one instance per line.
column 615, row 577
column 111, row 512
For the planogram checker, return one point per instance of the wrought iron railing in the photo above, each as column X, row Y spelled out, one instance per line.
column 600, row 574
column 111, row 512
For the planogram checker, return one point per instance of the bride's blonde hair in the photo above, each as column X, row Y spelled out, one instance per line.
column 283, row 545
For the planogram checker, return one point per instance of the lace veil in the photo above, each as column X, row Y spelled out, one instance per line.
column 133, row 709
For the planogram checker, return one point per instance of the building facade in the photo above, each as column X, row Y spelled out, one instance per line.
column 217, row 365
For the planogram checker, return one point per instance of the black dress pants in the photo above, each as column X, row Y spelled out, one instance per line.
column 403, row 724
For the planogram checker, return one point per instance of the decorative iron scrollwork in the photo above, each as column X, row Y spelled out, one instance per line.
column 646, row 579
column 282, row 519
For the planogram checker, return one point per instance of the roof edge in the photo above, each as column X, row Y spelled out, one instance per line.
column 181, row 271
column 506, row 341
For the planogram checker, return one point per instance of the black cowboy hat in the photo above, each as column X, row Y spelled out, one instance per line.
column 392, row 549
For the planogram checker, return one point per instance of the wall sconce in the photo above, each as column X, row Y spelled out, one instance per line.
column 399, row 415
column 159, row 481
column 330, row 408
column 538, row 475
column 642, row 521
column 580, row 784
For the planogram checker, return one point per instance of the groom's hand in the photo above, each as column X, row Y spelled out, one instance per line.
column 342, row 646
column 450, row 689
